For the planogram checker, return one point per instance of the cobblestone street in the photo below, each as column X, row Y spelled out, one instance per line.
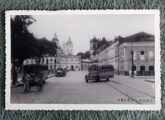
column 73, row 89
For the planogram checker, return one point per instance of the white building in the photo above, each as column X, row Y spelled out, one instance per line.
column 67, row 47
column 131, row 53
column 63, row 59
column 71, row 62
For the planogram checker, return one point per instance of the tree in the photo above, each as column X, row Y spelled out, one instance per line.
column 85, row 55
column 46, row 47
column 98, row 43
column 21, row 40
column 24, row 44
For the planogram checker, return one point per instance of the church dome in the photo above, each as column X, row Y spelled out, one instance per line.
column 69, row 42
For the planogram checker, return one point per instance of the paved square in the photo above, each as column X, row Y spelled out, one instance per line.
column 73, row 89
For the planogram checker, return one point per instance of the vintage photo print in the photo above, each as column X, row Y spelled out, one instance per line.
column 83, row 60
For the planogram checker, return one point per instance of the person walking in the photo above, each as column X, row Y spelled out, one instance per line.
column 15, row 76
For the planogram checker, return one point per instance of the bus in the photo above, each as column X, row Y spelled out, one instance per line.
column 99, row 72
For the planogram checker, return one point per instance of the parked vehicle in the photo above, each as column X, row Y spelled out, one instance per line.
column 96, row 72
column 106, row 72
column 34, row 75
column 60, row 72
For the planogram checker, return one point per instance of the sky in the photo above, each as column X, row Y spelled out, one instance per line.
column 82, row 28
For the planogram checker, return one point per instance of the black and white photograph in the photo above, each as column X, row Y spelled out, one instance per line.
column 83, row 59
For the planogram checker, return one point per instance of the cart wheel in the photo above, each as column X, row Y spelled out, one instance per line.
column 44, row 81
column 40, row 85
column 26, row 87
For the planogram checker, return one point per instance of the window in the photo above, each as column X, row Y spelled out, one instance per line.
column 66, row 60
column 46, row 61
column 151, row 54
column 133, row 67
column 134, row 55
column 42, row 60
column 141, row 52
column 142, row 55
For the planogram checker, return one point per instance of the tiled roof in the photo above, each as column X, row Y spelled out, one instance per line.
column 138, row 37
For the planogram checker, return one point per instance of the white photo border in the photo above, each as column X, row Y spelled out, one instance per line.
column 11, row 106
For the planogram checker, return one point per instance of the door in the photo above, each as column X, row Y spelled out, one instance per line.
column 142, row 70
column 151, row 70
column 72, row 67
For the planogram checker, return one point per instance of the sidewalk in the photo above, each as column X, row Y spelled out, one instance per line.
column 51, row 75
column 20, row 83
column 144, row 78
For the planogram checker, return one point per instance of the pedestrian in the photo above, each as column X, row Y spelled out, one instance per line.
column 14, row 75
column 130, row 72
column 135, row 72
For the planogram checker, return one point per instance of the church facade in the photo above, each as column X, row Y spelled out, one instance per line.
column 64, row 57
column 67, row 47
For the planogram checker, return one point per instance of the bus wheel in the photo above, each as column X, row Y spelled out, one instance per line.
column 86, row 80
column 26, row 87
column 107, row 79
column 98, row 79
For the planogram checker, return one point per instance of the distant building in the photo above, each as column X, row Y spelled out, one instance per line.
column 119, row 53
column 71, row 62
column 59, row 50
column 64, row 57
column 85, row 63
column 67, row 47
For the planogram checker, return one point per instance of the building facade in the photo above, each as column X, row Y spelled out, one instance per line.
column 85, row 63
column 71, row 62
column 67, row 47
column 135, row 52
column 63, row 59
column 143, row 58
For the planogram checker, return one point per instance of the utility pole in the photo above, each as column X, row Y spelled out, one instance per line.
column 132, row 68
column 132, row 62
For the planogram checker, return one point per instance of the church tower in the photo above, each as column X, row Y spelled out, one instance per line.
column 68, row 47
column 55, row 39
column 58, row 50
